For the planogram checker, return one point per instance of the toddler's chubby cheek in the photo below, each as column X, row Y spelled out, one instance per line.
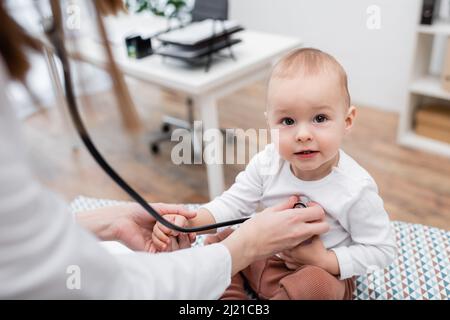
column 330, row 146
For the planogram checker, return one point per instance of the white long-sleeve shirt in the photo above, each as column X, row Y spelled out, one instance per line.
column 40, row 242
column 360, row 232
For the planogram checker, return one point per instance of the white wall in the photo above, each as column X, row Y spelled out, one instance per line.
column 378, row 62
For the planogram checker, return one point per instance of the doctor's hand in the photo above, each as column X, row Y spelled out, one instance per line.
column 273, row 230
column 130, row 223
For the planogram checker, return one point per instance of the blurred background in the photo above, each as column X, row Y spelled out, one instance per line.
column 394, row 51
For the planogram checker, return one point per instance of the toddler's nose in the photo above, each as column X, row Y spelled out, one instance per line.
column 303, row 134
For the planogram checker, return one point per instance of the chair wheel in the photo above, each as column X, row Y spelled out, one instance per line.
column 165, row 127
column 154, row 148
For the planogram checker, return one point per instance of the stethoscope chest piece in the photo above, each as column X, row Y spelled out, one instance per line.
column 302, row 203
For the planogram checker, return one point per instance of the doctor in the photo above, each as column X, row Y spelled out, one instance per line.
column 41, row 244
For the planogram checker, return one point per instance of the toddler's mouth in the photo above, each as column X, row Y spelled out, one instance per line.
column 306, row 152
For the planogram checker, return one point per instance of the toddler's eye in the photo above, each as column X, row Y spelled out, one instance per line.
column 287, row 121
column 320, row 118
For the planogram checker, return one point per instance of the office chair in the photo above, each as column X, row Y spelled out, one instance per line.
column 202, row 10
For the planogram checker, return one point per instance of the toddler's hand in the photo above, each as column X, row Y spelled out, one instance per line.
column 313, row 253
column 165, row 239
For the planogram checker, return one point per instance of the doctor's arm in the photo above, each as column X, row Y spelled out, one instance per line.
column 132, row 225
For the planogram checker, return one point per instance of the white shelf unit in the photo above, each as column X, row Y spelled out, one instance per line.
column 423, row 85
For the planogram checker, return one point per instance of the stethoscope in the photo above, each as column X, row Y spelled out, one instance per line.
column 54, row 34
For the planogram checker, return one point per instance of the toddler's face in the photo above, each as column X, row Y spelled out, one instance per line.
column 312, row 118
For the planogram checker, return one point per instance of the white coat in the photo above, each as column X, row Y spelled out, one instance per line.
column 43, row 251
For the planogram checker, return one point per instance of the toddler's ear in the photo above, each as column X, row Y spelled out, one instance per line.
column 350, row 118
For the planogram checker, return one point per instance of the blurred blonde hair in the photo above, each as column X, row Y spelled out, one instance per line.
column 311, row 61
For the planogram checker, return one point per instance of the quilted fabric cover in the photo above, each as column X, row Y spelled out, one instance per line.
column 421, row 270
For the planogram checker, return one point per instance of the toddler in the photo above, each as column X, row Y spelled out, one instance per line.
column 308, row 105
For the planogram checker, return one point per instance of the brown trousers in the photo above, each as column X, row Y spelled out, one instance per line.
column 270, row 279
